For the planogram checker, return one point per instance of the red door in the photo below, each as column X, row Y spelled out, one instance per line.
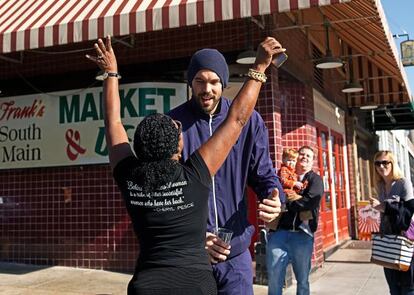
column 340, row 186
column 252, row 215
column 326, row 219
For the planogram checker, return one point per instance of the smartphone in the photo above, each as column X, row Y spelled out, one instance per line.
column 280, row 59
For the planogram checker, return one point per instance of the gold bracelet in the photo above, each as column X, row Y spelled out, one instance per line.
column 256, row 75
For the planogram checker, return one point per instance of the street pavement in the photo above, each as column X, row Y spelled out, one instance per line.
column 346, row 272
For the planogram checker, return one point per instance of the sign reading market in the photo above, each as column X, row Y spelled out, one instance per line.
column 66, row 128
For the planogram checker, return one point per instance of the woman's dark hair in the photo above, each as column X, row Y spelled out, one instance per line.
column 155, row 141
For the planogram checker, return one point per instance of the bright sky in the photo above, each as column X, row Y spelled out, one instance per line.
column 400, row 17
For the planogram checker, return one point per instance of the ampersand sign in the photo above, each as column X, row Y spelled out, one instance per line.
column 73, row 149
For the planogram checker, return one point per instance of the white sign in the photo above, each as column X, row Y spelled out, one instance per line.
column 407, row 53
column 66, row 128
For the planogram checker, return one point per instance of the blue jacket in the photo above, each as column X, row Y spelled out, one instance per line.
column 248, row 162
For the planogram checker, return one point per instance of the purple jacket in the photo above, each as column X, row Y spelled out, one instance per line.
column 248, row 162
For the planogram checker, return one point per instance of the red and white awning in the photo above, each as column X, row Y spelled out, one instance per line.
column 29, row 24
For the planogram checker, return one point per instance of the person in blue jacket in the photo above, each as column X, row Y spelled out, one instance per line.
column 248, row 163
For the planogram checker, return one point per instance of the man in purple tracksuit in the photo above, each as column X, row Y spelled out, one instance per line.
column 248, row 162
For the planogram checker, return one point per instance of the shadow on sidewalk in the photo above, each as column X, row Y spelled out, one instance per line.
column 352, row 251
column 19, row 268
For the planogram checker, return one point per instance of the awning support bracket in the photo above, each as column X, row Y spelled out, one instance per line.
column 130, row 44
column 390, row 116
column 13, row 60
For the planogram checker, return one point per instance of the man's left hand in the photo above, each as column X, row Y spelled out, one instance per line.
column 270, row 208
column 266, row 51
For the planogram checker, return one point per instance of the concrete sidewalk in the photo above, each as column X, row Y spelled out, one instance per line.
column 346, row 279
column 346, row 272
column 16, row 279
column 332, row 278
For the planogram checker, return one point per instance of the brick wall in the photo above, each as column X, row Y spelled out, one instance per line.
column 290, row 118
column 268, row 106
column 67, row 68
column 71, row 216
column 297, row 130
column 351, row 175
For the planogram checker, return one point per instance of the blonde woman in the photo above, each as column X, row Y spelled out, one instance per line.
column 396, row 204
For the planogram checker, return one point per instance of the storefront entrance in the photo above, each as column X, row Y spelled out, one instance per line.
column 334, row 212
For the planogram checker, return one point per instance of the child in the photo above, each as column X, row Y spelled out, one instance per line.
column 292, row 187
column 288, row 177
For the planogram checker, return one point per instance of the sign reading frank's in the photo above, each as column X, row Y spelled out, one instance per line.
column 66, row 128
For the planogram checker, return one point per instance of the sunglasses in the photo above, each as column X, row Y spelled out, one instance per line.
column 383, row 163
column 179, row 126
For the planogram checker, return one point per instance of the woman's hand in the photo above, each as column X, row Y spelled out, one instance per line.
column 376, row 204
column 105, row 56
column 217, row 250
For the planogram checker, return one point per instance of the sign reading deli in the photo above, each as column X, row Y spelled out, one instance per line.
column 66, row 128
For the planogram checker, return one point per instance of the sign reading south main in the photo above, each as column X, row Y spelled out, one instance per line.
column 66, row 128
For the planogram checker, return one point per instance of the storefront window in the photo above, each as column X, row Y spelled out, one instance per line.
column 364, row 171
column 337, row 184
column 338, row 168
column 324, row 168
column 331, row 165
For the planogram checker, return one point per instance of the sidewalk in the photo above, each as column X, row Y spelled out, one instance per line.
column 346, row 272
column 16, row 279
column 346, row 279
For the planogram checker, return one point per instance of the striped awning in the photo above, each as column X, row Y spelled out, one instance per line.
column 30, row 24
column 374, row 40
